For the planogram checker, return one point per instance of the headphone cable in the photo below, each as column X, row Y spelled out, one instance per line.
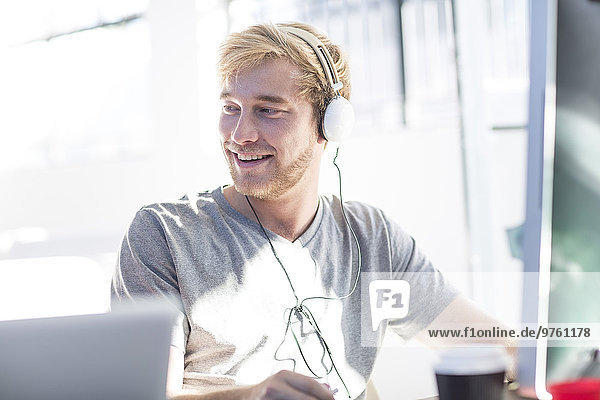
column 299, row 304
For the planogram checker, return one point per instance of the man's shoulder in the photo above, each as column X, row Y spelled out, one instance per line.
column 354, row 209
column 189, row 206
column 366, row 219
column 189, row 201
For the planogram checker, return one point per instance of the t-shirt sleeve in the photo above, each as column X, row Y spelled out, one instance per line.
column 430, row 291
column 145, row 270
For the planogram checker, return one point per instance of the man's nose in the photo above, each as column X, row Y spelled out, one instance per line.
column 245, row 130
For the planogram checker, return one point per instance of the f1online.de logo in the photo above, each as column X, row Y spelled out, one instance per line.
column 389, row 299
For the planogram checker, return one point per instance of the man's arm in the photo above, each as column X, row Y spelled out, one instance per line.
column 462, row 313
column 282, row 385
column 145, row 268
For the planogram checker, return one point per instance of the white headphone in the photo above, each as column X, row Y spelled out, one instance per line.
column 338, row 118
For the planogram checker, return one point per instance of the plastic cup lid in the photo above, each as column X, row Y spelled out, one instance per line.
column 472, row 360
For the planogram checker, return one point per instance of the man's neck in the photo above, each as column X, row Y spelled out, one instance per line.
column 288, row 216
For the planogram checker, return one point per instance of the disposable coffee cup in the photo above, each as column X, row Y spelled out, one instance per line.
column 471, row 373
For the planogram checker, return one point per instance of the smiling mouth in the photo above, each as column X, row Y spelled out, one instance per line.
column 248, row 158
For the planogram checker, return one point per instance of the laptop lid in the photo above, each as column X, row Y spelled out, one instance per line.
column 120, row 355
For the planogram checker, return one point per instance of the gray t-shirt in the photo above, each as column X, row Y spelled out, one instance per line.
column 216, row 266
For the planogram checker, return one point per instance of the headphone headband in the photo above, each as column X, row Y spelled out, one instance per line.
column 338, row 117
column 322, row 54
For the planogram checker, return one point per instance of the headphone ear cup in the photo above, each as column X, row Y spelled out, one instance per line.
column 338, row 119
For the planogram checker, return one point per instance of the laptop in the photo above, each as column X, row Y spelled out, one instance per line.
column 115, row 356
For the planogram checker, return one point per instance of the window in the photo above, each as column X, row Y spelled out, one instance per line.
column 74, row 85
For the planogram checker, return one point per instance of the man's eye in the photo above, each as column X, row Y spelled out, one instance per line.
column 269, row 111
column 229, row 109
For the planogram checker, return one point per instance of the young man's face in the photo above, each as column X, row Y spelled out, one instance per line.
column 268, row 132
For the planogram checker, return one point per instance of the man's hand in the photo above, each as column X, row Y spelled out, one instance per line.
column 289, row 385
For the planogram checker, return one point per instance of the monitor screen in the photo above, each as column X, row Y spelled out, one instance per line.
column 575, row 240
column 562, row 228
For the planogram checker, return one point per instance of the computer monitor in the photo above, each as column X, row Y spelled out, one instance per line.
column 562, row 228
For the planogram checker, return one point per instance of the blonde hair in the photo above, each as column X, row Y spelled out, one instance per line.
column 264, row 42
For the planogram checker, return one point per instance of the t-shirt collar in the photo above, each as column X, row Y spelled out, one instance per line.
column 304, row 239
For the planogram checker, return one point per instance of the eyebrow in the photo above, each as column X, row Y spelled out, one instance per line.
column 262, row 97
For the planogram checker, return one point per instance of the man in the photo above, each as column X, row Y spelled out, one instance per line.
column 268, row 275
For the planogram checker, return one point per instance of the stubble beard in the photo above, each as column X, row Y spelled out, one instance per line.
column 282, row 179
